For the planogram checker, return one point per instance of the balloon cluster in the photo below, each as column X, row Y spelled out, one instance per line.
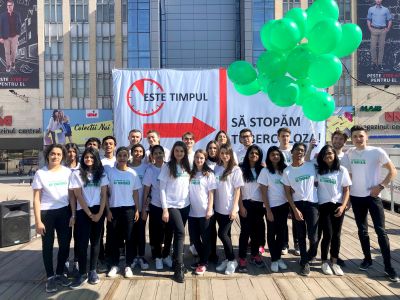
column 302, row 54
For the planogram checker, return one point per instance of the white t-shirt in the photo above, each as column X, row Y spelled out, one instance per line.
column 301, row 180
column 174, row 192
column 241, row 153
column 91, row 192
column 365, row 166
column 150, row 179
column 191, row 158
column 223, row 202
column 287, row 154
column 276, row 192
column 54, row 186
column 211, row 164
column 330, row 186
column 140, row 171
column 122, row 184
column 251, row 190
column 167, row 154
column 108, row 163
column 198, row 193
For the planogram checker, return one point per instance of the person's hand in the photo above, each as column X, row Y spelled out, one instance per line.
column 375, row 191
column 339, row 211
column 40, row 228
column 165, row 215
column 233, row 215
column 270, row 215
column 109, row 216
column 243, row 212
column 209, row 213
column 136, row 217
column 2, row 41
column 96, row 217
column 72, row 221
column 298, row 215
column 144, row 214
column 348, row 206
column 386, row 29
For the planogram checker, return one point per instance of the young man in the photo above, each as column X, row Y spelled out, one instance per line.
column 364, row 163
column 93, row 142
column 109, row 143
column 134, row 137
column 338, row 140
column 189, row 140
column 153, row 138
column 246, row 139
column 284, row 145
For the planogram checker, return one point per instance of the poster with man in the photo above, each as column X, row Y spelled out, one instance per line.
column 19, row 61
column 379, row 53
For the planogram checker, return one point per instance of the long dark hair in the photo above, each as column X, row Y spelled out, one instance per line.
column 76, row 149
column 322, row 166
column 138, row 146
column 228, row 140
column 231, row 162
column 245, row 165
column 216, row 158
column 173, row 164
column 206, row 169
column 51, row 147
column 281, row 164
column 97, row 169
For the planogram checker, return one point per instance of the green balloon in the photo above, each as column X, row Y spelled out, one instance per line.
column 299, row 16
column 283, row 91
column 263, row 82
column 305, row 89
column 271, row 64
column 299, row 60
column 284, row 35
column 318, row 106
column 248, row 89
column 324, row 36
column 351, row 39
column 241, row 72
column 265, row 35
column 325, row 70
column 320, row 10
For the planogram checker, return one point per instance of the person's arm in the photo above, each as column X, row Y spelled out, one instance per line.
column 163, row 198
column 389, row 25
column 264, row 195
column 392, row 173
column 345, row 199
column 236, row 196
column 146, row 201
column 210, row 204
column 72, row 205
column 242, row 209
column 135, row 195
column 297, row 213
column 40, row 228
column 369, row 19
column 103, row 201
column 82, row 202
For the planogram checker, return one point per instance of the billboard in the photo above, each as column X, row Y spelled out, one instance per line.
column 378, row 57
column 342, row 119
column 76, row 125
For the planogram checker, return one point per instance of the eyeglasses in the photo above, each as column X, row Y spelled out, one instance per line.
column 247, row 136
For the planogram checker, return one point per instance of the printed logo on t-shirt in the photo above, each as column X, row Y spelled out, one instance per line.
column 57, row 183
column 327, row 180
column 195, row 181
column 122, row 182
column 358, row 161
column 278, row 181
column 302, row 177
column 182, row 174
column 92, row 184
column 217, row 178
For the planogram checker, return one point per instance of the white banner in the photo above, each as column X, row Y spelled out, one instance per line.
column 204, row 102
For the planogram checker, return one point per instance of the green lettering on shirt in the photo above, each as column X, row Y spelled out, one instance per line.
column 278, row 181
column 327, row 180
column 302, row 177
column 57, row 183
column 122, row 182
column 195, row 181
column 358, row 161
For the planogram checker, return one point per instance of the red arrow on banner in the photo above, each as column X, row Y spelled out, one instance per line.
column 176, row 130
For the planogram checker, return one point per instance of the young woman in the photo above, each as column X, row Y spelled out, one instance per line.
column 276, row 205
column 52, row 213
column 139, row 228
column 229, row 181
column 222, row 138
column 212, row 150
column 201, row 195
column 174, row 192
column 159, row 232
column 299, row 183
column 124, row 185
column 53, row 126
column 89, row 185
column 333, row 195
column 251, row 211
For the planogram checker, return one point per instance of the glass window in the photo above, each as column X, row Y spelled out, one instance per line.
column 79, row 10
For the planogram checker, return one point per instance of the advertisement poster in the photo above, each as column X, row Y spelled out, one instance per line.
column 76, row 125
column 19, row 61
column 203, row 102
column 378, row 57
column 342, row 119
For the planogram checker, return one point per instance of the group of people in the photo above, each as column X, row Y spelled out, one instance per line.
column 58, row 129
column 205, row 188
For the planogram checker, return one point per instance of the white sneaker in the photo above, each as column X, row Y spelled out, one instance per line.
column 337, row 270
column 113, row 272
column 285, row 251
column 159, row 264
column 282, row 265
column 275, row 267
column 128, row 272
column 168, row 261
column 222, row 266
column 193, row 250
column 326, row 269
column 135, row 263
column 231, row 267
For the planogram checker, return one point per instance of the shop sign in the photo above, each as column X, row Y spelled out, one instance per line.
column 371, row 108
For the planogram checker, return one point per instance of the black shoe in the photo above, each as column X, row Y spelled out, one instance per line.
column 102, row 266
column 62, row 280
column 340, row 262
column 391, row 273
column 75, row 270
column 313, row 260
column 366, row 263
column 214, row 258
column 179, row 274
column 79, row 282
column 51, row 285
column 194, row 266
column 93, row 278
column 305, row 270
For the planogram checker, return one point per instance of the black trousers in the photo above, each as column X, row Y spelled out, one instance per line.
column 276, row 230
column 121, row 229
column 87, row 230
column 307, row 227
column 199, row 229
column 56, row 220
column 213, row 236
column 139, row 242
column 177, row 220
column 159, row 232
column 224, row 234
column 252, row 227
column 331, row 229
column 294, row 232
column 361, row 207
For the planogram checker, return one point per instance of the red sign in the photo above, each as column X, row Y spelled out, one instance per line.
column 392, row 116
column 6, row 121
